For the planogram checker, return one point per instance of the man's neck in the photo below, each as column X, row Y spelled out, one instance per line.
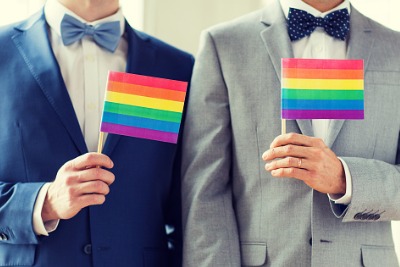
column 92, row 10
column 323, row 5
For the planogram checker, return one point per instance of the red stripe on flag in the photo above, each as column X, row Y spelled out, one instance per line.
column 147, row 81
column 302, row 63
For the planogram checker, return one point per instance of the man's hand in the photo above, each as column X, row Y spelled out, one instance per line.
column 79, row 183
column 307, row 159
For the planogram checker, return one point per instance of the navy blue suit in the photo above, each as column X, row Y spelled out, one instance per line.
column 40, row 132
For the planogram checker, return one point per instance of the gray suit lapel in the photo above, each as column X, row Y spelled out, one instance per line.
column 359, row 47
column 278, row 46
column 275, row 36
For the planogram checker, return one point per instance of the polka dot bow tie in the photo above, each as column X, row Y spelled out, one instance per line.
column 301, row 24
column 106, row 35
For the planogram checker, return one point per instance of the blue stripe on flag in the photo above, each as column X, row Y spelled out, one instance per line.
column 322, row 104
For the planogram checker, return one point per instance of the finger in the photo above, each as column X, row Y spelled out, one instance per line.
column 94, row 174
column 297, row 139
column 93, row 187
column 286, row 163
column 287, row 151
column 89, row 160
column 91, row 199
column 296, row 173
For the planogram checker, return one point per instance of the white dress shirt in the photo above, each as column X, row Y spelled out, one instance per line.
column 84, row 67
column 322, row 46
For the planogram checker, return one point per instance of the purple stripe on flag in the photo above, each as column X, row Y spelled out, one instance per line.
column 291, row 114
column 139, row 132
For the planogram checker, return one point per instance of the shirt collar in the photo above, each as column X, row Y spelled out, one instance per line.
column 298, row 4
column 54, row 12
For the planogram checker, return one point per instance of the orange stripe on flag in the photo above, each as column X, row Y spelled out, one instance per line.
column 322, row 74
column 135, row 89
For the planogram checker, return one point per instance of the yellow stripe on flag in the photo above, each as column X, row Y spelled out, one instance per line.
column 321, row 84
column 142, row 101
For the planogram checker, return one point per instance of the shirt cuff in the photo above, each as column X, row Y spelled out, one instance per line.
column 40, row 227
column 346, row 198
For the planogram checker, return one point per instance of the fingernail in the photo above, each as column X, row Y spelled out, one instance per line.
column 267, row 166
column 264, row 155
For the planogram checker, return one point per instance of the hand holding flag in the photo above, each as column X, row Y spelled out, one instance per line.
column 315, row 89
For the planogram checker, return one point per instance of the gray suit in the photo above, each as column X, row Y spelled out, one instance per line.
column 236, row 213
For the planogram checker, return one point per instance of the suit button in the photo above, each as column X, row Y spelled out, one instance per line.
column 3, row 237
column 310, row 241
column 87, row 249
column 364, row 216
column 376, row 217
column 358, row 216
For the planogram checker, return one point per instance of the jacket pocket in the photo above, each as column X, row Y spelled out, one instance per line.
column 377, row 256
column 253, row 253
column 17, row 255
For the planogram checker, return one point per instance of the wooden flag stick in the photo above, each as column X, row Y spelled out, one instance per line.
column 100, row 144
column 283, row 126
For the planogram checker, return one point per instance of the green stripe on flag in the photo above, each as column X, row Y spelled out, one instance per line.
column 322, row 94
column 142, row 112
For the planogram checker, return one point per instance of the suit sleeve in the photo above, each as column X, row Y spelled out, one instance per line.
column 376, row 191
column 209, row 224
column 16, row 212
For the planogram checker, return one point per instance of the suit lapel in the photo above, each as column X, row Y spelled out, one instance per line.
column 33, row 44
column 275, row 36
column 359, row 47
column 141, row 60
column 278, row 45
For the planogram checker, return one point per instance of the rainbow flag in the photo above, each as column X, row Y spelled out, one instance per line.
column 143, row 107
column 322, row 89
